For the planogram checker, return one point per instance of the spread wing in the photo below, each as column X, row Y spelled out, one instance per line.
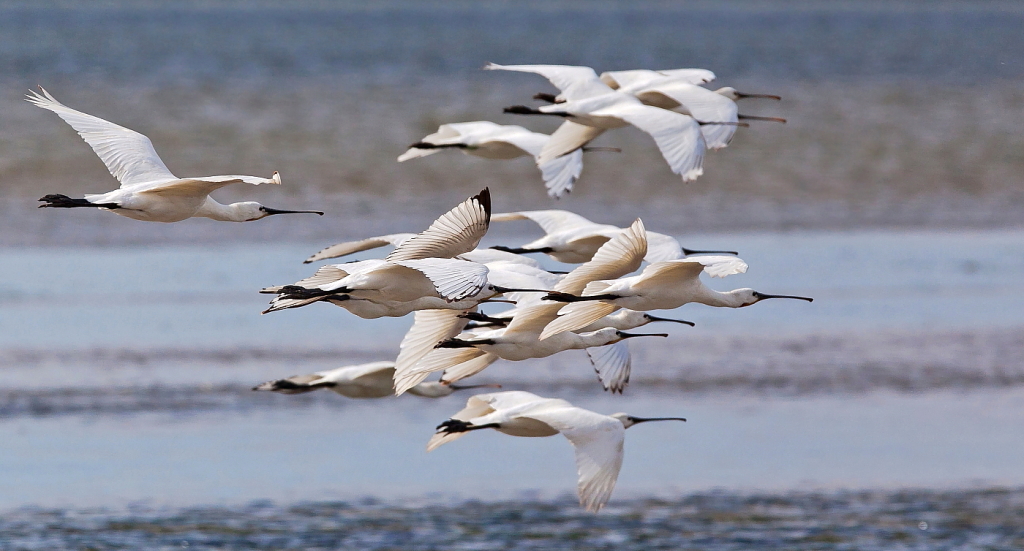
column 575, row 82
column 612, row 364
column 668, row 272
column 189, row 187
column 704, row 105
column 550, row 221
column 619, row 256
column 455, row 232
column 598, row 441
column 129, row 156
column 569, row 137
column 561, row 173
column 351, row 247
column 453, row 279
column 662, row 247
column 429, row 327
column 678, row 136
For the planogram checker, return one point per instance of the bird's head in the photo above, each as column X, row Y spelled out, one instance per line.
column 746, row 297
column 251, row 210
column 628, row 420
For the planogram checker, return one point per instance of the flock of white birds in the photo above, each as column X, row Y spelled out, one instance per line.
column 452, row 287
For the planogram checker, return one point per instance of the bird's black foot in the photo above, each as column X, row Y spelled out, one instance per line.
column 58, row 201
column 297, row 292
column 455, row 425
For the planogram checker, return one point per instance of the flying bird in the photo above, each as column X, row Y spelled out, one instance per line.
column 597, row 439
column 149, row 191
column 572, row 239
column 372, row 380
column 496, row 141
column 661, row 285
column 592, row 107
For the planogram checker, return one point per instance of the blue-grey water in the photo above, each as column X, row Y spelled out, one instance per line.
column 885, row 415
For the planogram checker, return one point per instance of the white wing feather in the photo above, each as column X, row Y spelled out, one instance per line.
column 678, row 136
column 128, row 155
column 453, row 233
column 351, row 247
column 575, row 82
column 612, row 364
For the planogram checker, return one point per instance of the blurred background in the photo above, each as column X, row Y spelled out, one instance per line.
column 893, row 196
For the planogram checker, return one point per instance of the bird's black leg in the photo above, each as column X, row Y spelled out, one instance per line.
column 58, row 201
column 477, row 316
column 454, row 425
column 297, row 292
column 459, row 343
column 428, row 145
column 520, row 250
column 566, row 297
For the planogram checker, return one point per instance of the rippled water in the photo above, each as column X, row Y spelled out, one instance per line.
column 910, row 519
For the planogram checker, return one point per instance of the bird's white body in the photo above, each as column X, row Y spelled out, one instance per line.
column 597, row 439
column 149, row 191
column 592, row 107
column 520, row 339
column 496, row 141
column 573, row 239
column 372, row 380
column 661, row 285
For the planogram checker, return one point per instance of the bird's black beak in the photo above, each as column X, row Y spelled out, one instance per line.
column 684, row 322
column 625, row 335
column 762, row 296
column 646, row 419
column 270, row 211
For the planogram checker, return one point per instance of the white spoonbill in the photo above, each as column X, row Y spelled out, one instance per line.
column 572, row 239
column 661, row 285
column 598, row 439
column 372, row 380
column 149, row 191
column 670, row 92
column 468, row 354
column 496, row 141
column 591, row 107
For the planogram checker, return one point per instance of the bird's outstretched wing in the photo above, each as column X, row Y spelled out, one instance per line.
column 190, row 187
column 129, row 156
column 551, row 221
column 435, row 360
column 673, row 271
column 623, row 79
column 351, row 247
column 453, row 279
column 560, row 174
column 678, row 136
column 704, row 105
column 569, row 137
column 598, row 441
column 661, row 247
column 619, row 256
column 429, row 327
column 453, row 233
column 575, row 82
column 613, row 364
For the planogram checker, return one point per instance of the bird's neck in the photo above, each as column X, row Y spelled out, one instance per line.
column 600, row 337
column 217, row 211
column 711, row 297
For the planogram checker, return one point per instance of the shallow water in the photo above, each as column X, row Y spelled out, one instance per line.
column 911, row 519
column 134, row 361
